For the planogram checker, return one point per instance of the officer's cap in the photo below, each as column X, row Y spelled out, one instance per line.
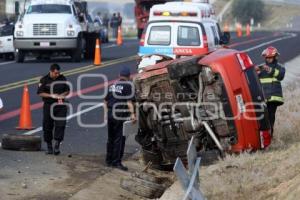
column 125, row 72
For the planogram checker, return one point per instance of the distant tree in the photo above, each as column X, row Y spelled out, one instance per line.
column 244, row 10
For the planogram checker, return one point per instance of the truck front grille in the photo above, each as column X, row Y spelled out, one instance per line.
column 44, row 29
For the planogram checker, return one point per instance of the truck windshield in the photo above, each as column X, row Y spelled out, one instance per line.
column 49, row 8
column 7, row 30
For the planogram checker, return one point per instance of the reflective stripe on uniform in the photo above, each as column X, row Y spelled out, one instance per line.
column 268, row 80
column 276, row 98
column 276, row 73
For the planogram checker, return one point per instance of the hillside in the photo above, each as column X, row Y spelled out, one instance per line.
column 277, row 16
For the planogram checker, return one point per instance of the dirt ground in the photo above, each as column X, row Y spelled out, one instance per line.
column 57, row 178
column 70, row 177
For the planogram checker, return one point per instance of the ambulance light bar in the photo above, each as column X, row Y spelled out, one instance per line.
column 173, row 14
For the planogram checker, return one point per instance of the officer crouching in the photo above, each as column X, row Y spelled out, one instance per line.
column 53, row 88
column 118, row 105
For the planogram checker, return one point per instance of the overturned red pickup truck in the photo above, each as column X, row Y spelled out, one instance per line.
column 217, row 98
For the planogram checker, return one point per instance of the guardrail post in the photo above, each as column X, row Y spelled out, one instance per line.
column 190, row 180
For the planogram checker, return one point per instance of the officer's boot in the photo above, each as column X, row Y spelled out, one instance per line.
column 56, row 148
column 49, row 148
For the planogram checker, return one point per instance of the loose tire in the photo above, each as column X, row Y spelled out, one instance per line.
column 21, row 142
column 142, row 187
column 20, row 56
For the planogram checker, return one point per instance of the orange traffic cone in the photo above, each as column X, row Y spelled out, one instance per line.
column 248, row 30
column 25, row 122
column 97, row 59
column 119, row 38
column 239, row 31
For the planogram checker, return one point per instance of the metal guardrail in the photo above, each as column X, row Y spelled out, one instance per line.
column 190, row 179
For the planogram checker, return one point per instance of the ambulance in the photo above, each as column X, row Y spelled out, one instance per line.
column 177, row 29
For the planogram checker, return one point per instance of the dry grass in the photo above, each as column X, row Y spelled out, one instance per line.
column 277, row 16
column 288, row 120
column 273, row 174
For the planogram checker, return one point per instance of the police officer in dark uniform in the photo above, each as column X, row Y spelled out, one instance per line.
column 53, row 88
column 270, row 75
column 118, row 106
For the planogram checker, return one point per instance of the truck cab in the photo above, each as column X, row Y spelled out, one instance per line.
column 52, row 27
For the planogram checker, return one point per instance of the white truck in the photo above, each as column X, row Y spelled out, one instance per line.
column 6, row 42
column 54, row 27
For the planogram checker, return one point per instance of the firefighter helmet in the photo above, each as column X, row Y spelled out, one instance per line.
column 270, row 52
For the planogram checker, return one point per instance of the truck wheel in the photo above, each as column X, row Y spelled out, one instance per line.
column 20, row 56
column 7, row 56
column 21, row 142
column 12, row 56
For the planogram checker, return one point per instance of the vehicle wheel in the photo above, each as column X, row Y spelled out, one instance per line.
column 20, row 56
column 9, row 56
column 154, row 157
column 12, row 56
column 77, row 53
column 142, row 187
column 6, row 56
column 21, row 142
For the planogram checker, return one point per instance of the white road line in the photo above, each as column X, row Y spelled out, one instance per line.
column 290, row 35
column 6, row 63
column 115, row 45
column 68, row 118
column 110, row 46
